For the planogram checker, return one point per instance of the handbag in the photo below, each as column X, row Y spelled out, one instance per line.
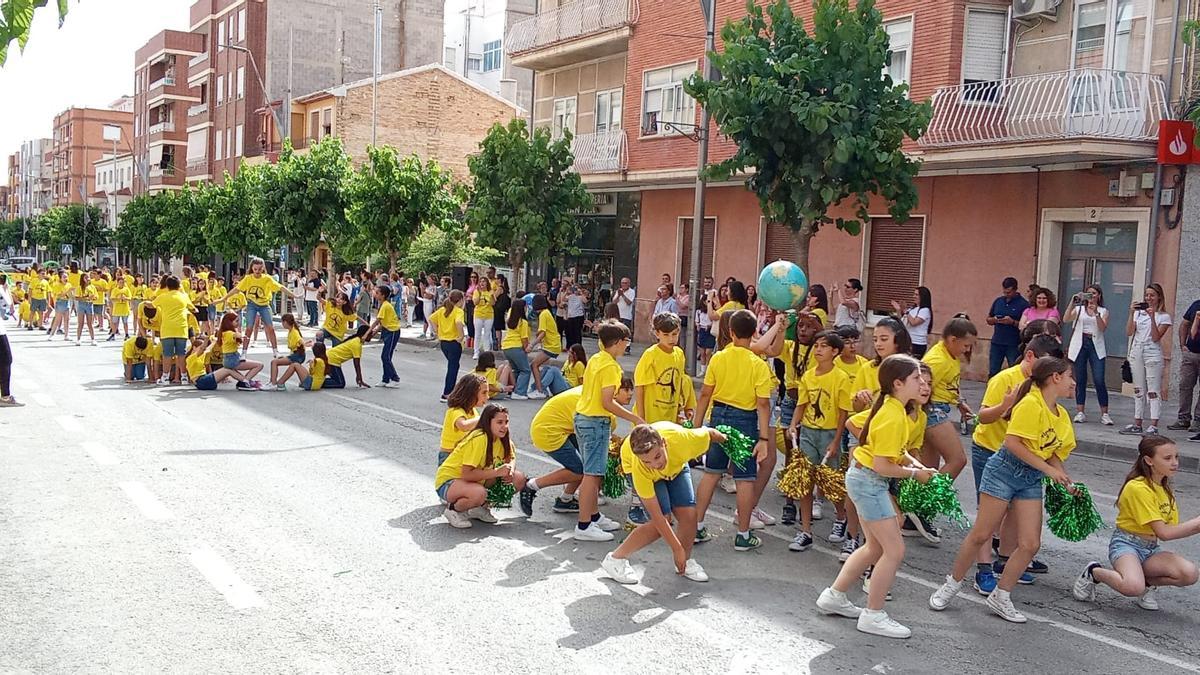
column 1126, row 369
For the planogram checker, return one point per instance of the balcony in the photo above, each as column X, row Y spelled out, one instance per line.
column 162, row 82
column 161, row 127
column 196, row 164
column 601, row 152
column 197, row 110
column 1087, row 114
column 198, row 59
column 575, row 31
column 158, row 171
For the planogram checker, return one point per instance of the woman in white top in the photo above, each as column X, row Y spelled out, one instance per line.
column 917, row 319
column 1147, row 325
column 6, row 397
column 1087, row 351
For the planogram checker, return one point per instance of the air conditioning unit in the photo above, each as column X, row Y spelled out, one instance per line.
column 1035, row 9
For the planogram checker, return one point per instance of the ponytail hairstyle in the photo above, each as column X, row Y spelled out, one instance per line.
column 737, row 293
column 900, row 337
column 1044, row 368
column 229, row 322
column 451, row 300
column 485, row 427
column 540, row 303
column 516, row 314
column 577, row 352
column 1043, row 345
column 1041, row 327
column 960, row 326
column 486, row 360
column 894, row 367
column 1147, row 449
column 319, row 351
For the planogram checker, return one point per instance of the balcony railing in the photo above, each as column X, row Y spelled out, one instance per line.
column 196, row 163
column 160, row 128
column 163, row 82
column 1083, row 103
column 198, row 59
column 198, row 110
column 601, row 152
column 573, row 19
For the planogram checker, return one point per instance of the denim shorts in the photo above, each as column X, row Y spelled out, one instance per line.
column 62, row 305
column 231, row 361
column 296, row 358
column 206, row 382
column 261, row 311
column 97, row 309
column 306, row 383
column 553, row 355
column 979, row 459
column 787, row 410
column 705, row 339
column 814, row 441
column 444, row 489
column 675, row 493
column 1127, row 543
column 37, row 305
column 568, row 456
column 83, row 307
column 592, row 435
column 1006, row 477
column 869, row 492
column 174, row 347
column 745, row 421
column 442, row 457
column 937, row 413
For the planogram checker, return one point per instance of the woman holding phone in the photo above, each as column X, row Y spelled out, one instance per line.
column 1087, row 351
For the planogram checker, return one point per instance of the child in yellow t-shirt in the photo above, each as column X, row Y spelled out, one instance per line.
column 121, row 295
column 575, row 366
column 137, row 357
column 469, row 396
column 497, row 379
column 658, row 378
column 484, row 456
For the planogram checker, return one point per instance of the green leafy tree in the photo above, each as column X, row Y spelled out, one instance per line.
column 233, row 228
column 814, row 114
column 16, row 19
column 435, row 249
column 524, row 194
column 10, row 234
column 80, row 226
column 181, row 221
column 138, row 229
column 390, row 199
column 300, row 197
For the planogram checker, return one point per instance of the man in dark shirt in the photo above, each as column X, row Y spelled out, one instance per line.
column 1004, row 317
column 1189, row 368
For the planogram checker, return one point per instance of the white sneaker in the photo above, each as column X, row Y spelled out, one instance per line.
column 755, row 523
column 1080, row 418
column 519, row 397
column 1001, row 603
column 456, row 519
column 1106, row 420
column 941, row 597
column 1084, row 589
column 1148, row 601
column 536, row 395
column 762, row 516
column 592, row 533
column 879, row 623
column 695, row 572
column 817, row 513
column 482, row 513
column 728, row 484
column 835, row 602
column 619, row 569
column 607, row 524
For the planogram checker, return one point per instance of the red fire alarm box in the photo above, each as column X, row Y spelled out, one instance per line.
column 1176, row 141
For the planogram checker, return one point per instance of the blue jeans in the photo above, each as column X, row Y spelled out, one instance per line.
column 553, row 381
column 675, row 493
column 261, row 311
column 310, row 307
column 592, row 434
column 745, row 421
column 998, row 354
column 1086, row 358
column 452, row 350
column 335, row 379
column 519, row 360
column 390, row 338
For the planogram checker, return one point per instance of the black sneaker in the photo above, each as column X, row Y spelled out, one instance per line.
column 789, row 514
column 908, row 529
column 1195, row 438
column 1037, row 567
column 527, row 496
column 242, row 386
column 1180, row 425
column 566, row 505
column 915, row 526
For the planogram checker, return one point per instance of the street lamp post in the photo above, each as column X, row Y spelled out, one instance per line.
column 284, row 132
column 710, row 25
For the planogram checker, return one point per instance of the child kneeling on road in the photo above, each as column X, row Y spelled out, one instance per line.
column 483, row 457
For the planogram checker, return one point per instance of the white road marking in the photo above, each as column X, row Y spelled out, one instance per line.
column 99, row 453
column 146, row 502
column 213, row 567
column 69, row 423
column 411, row 362
column 1075, row 630
column 44, row 400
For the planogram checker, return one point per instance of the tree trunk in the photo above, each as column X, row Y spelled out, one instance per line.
column 392, row 263
column 516, row 259
column 801, row 238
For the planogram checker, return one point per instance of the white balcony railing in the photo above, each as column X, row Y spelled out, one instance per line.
column 163, row 82
column 196, row 163
column 601, row 152
column 198, row 110
column 160, row 128
column 573, row 19
column 1082, row 103
column 198, row 59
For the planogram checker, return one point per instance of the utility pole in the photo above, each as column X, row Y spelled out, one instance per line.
column 86, row 220
column 709, row 7
column 376, row 66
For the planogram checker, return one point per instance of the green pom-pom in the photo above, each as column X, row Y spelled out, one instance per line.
column 687, row 424
column 500, row 494
column 737, row 446
column 613, row 484
column 935, row 498
column 1072, row 517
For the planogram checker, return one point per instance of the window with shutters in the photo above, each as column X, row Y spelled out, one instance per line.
column 900, row 35
column 779, row 244
column 895, row 257
column 984, row 43
column 708, row 248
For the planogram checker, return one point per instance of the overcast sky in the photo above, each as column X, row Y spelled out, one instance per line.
column 89, row 62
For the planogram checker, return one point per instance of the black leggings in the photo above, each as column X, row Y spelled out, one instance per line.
column 5, row 366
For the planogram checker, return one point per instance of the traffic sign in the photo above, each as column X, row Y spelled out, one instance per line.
column 24, row 243
column 67, row 249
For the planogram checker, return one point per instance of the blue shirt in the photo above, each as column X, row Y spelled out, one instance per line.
column 1005, row 334
column 1192, row 343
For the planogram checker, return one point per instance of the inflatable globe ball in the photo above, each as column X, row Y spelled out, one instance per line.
column 782, row 285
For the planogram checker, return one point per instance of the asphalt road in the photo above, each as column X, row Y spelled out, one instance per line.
column 148, row 529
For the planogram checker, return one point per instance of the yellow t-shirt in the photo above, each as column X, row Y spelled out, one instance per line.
column 136, row 291
column 146, row 322
column 32, row 275
column 101, row 285
column 821, row 314
column 945, row 374
column 73, row 278
column 471, row 451
column 1044, row 434
column 661, row 374
column 38, row 289
column 350, row 349
column 551, row 340
column 483, row 304
column 514, row 337
column 991, row 436
column 387, row 316
column 555, row 420
column 916, row 439
column 197, row 366
column 24, row 310
column 230, row 342
column 316, row 371
column 493, row 380
column 825, row 395
column 236, row 302
column 336, row 322
column 451, row 435
column 294, row 341
column 682, row 445
column 93, row 295
column 1142, row 502
column 192, row 323
column 852, row 368
column 573, row 373
column 120, row 298
column 739, row 378
column 888, row 436
column 200, row 299
column 602, row 372
column 18, row 294
column 185, row 285
column 174, row 308
column 130, row 352
column 729, row 307
column 259, row 289
column 447, row 324
column 216, row 294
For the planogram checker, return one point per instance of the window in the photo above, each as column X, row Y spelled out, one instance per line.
column 474, row 63
column 491, row 56
column 218, row 146
column 984, row 45
column 237, row 141
column 326, row 122
column 241, row 22
column 221, row 37
column 450, row 58
column 895, row 256
column 564, row 116
column 233, row 27
column 900, row 43
column 220, row 89
column 608, row 110
column 664, row 103
column 314, row 125
column 241, row 82
column 229, row 144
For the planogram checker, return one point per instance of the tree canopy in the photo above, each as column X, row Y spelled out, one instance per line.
column 300, row 197
column 16, row 20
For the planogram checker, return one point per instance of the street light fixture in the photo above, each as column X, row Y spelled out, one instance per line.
column 284, row 131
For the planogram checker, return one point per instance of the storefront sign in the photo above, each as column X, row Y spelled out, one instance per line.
column 1176, row 142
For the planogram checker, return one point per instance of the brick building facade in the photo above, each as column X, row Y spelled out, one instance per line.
column 78, row 141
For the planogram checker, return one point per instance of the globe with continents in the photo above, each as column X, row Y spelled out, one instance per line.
column 782, row 285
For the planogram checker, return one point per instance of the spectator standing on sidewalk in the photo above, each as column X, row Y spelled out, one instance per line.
column 313, row 288
column 576, row 315
column 848, row 312
column 665, row 302
column 1087, row 349
column 1189, row 370
column 1005, row 318
column 626, row 298
column 1146, row 327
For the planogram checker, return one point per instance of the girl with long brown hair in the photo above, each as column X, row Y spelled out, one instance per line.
column 484, row 456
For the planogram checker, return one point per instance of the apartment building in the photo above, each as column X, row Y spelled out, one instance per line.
column 162, row 99
column 12, row 189
column 115, row 181
column 77, row 142
column 1039, row 162
column 474, row 46
column 297, row 46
